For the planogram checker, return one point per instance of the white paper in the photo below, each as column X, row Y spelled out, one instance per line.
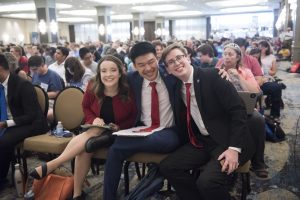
column 134, row 132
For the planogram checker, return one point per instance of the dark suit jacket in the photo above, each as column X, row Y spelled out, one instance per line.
column 222, row 110
column 23, row 105
column 136, row 82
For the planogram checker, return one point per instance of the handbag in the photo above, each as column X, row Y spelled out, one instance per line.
column 53, row 187
column 274, row 132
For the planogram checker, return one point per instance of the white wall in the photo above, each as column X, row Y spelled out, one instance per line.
column 19, row 31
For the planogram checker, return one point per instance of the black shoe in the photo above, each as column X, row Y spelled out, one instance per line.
column 34, row 174
column 81, row 197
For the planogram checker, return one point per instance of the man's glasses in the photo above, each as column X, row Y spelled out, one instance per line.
column 177, row 58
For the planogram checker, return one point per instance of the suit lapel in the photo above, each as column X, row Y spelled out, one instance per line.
column 138, row 90
column 197, row 88
column 10, row 89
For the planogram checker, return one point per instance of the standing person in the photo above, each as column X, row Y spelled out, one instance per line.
column 106, row 101
column 215, row 135
column 20, row 115
column 76, row 74
column 155, row 109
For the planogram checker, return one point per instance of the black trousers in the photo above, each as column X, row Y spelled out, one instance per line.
column 11, row 137
column 211, row 184
column 256, row 125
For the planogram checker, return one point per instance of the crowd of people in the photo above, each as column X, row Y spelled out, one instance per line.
column 184, row 87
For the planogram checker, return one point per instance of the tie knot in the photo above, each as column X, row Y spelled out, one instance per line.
column 152, row 84
column 188, row 85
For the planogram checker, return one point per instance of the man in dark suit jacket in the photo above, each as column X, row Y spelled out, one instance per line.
column 166, row 140
column 24, row 115
column 216, row 139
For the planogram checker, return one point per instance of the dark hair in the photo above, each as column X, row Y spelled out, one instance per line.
column 98, row 86
column 206, row 49
column 3, row 62
column 140, row 49
column 36, row 61
column 83, row 51
column 241, row 42
column 73, row 70
column 64, row 51
column 266, row 45
column 157, row 43
column 51, row 51
column 256, row 51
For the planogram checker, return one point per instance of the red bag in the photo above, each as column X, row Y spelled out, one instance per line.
column 295, row 68
column 53, row 187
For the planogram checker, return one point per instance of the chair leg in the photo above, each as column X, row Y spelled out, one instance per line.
column 245, row 185
column 137, row 169
column 126, row 177
column 144, row 170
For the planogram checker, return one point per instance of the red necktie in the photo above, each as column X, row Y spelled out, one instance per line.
column 192, row 137
column 154, row 109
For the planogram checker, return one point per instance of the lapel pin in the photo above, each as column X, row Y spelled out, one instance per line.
column 198, row 80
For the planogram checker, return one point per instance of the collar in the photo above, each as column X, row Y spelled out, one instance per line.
column 5, row 82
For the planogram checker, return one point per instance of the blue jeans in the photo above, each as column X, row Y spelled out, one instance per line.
column 163, row 141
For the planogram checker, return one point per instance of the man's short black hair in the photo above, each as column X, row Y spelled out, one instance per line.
column 206, row 49
column 83, row 51
column 64, row 51
column 36, row 61
column 140, row 49
column 3, row 62
column 242, row 42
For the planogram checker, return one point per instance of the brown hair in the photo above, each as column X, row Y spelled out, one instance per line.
column 98, row 86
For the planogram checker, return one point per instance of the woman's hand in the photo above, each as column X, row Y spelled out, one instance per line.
column 98, row 121
column 233, row 71
column 114, row 127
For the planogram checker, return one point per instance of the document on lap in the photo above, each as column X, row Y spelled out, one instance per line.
column 87, row 126
column 140, row 131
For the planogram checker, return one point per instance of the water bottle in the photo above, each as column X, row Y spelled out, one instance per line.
column 59, row 129
column 19, row 181
column 29, row 195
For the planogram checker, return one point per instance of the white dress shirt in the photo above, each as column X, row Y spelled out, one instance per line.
column 165, row 110
column 60, row 69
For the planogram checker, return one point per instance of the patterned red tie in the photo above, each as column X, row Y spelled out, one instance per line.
column 154, row 109
column 192, row 137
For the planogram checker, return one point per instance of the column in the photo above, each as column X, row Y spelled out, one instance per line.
column 208, row 27
column 296, row 46
column 276, row 15
column 104, row 23
column 159, row 27
column 46, row 20
column 138, row 30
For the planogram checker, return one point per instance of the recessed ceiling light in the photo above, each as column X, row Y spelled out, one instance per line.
column 231, row 3
column 21, row 15
column 180, row 13
column 110, row 2
column 158, row 8
column 79, row 12
column 245, row 9
column 27, row 7
column 75, row 19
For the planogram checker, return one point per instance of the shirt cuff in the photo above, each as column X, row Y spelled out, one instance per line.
column 236, row 149
column 10, row 123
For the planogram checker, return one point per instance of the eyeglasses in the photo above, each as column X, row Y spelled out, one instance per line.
column 177, row 58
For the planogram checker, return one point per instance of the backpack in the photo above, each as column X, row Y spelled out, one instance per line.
column 274, row 132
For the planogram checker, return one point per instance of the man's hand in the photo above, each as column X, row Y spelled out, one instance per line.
column 224, row 74
column 114, row 127
column 3, row 124
column 229, row 160
column 98, row 122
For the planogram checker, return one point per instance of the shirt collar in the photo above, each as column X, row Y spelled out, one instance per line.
column 5, row 82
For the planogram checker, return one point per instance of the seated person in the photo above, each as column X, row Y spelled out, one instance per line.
column 49, row 80
column 206, row 55
column 243, row 80
column 20, row 115
column 106, row 101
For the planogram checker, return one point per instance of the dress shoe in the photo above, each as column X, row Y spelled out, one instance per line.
column 34, row 174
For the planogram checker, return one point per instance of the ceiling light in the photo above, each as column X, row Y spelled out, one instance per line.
column 74, row 19
column 121, row 17
column 110, row 2
column 233, row 3
column 245, row 9
column 27, row 7
column 79, row 12
column 158, row 8
column 180, row 13
column 21, row 15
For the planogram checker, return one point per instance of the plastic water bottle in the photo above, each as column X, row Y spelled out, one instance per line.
column 59, row 129
column 19, row 181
